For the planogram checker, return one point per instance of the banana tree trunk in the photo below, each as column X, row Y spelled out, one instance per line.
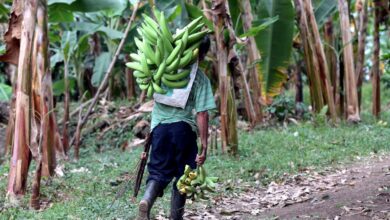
column 352, row 107
column 254, row 56
column 376, row 72
column 227, row 107
column 65, row 134
column 316, row 64
column 362, row 33
column 20, row 161
column 320, row 62
column 331, row 57
column 48, row 128
column 11, row 120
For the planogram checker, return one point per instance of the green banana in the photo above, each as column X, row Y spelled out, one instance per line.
column 156, row 12
column 143, row 81
column 195, row 55
column 143, row 86
column 164, row 27
column 148, row 31
column 144, row 64
column 185, row 60
column 138, row 43
column 148, row 51
column 202, row 174
column 197, row 36
column 192, row 47
column 135, row 66
column 187, row 181
column 190, row 26
column 160, row 47
column 174, row 65
column 187, row 170
column 192, row 175
column 197, row 28
column 151, row 22
column 174, row 85
column 190, row 189
column 160, row 71
column 135, row 57
column 175, row 53
column 167, row 45
column 160, row 52
column 179, row 76
column 150, row 91
column 139, row 74
column 158, row 89
column 185, row 39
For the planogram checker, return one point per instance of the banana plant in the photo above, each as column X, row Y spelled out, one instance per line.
column 275, row 44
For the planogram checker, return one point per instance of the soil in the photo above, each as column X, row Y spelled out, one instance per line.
column 367, row 198
column 356, row 191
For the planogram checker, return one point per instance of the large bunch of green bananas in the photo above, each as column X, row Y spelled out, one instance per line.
column 163, row 58
column 195, row 183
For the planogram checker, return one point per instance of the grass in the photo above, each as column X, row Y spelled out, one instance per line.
column 265, row 155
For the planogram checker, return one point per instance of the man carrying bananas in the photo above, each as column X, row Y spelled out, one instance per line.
column 174, row 142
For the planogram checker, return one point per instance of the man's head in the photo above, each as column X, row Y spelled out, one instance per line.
column 204, row 47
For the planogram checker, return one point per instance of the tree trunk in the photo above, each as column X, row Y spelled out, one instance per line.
column 362, row 33
column 331, row 57
column 376, row 72
column 254, row 56
column 65, row 134
column 320, row 63
column 20, row 160
column 316, row 64
column 48, row 128
column 352, row 107
column 298, row 89
column 227, row 106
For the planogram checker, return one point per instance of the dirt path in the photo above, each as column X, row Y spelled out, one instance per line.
column 356, row 191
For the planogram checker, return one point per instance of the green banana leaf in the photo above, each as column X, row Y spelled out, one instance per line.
column 173, row 10
column 275, row 44
column 5, row 92
column 255, row 30
column 235, row 14
column 91, row 28
column 59, row 86
column 2, row 49
column 62, row 10
column 101, row 65
column 195, row 12
column 323, row 9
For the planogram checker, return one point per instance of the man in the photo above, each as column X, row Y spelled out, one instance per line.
column 174, row 142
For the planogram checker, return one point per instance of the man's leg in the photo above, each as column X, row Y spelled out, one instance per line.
column 160, row 170
column 153, row 190
column 184, row 140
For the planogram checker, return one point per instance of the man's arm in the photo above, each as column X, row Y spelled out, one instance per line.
column 202, row 119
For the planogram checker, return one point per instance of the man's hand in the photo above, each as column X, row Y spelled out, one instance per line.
column 201, row 158
column 203, row 125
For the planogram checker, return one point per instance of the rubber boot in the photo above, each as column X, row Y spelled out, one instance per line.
column 178, row 202
column 153, row 190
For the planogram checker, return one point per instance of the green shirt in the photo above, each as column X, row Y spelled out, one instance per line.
column 200, row 99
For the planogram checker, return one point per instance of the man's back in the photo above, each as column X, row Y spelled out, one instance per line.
column 200, row 99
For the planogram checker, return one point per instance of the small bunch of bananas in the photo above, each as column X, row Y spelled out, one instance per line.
column 162, row 57
column 195, row 183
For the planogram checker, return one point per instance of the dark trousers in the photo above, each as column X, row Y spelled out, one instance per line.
column 173, row 146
